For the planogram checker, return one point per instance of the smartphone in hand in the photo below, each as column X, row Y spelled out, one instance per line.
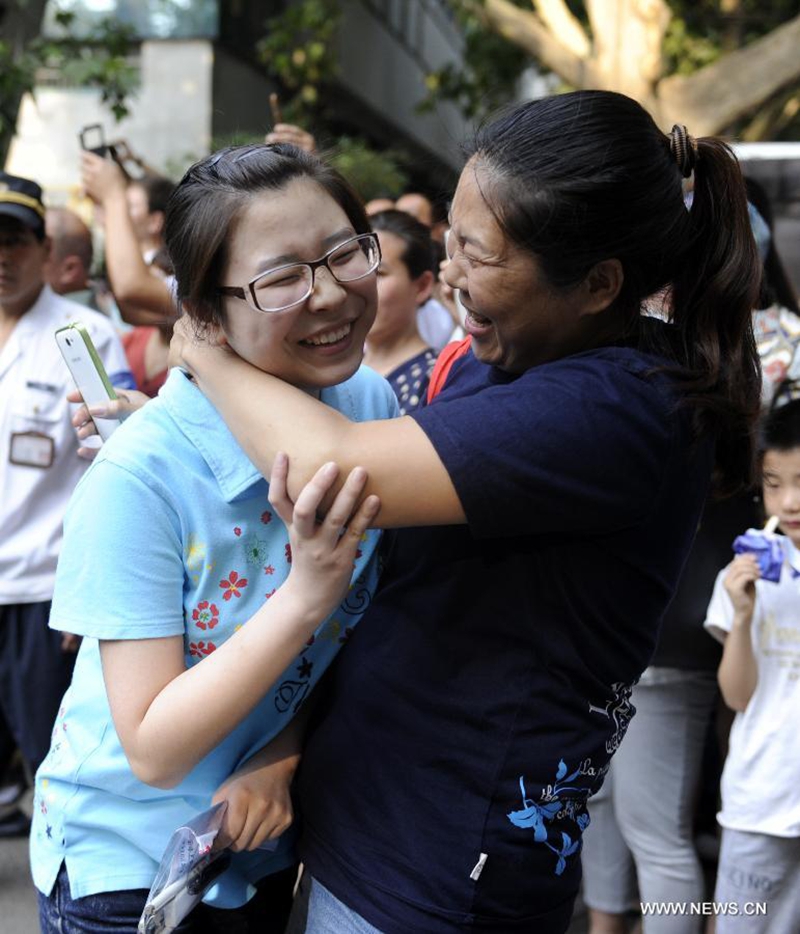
column 93, row 139
column 87, row 370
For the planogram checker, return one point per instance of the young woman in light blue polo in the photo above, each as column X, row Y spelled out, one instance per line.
column 204, row 627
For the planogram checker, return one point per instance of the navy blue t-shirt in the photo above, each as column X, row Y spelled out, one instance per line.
column 479, row 701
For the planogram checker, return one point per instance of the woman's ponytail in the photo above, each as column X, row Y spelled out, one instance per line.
column 715, row 291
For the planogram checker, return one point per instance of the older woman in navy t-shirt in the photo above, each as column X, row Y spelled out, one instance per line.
column 547, row 498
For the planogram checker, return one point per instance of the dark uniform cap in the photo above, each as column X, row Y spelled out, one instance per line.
column 22, row 198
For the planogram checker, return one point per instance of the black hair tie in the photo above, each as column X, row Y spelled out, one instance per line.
column 683, row 148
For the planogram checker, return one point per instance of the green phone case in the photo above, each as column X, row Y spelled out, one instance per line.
column 98, row 363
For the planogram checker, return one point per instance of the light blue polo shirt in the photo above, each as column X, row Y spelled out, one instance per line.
column 171, row 533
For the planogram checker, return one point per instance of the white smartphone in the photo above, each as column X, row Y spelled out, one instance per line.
column 87, row 370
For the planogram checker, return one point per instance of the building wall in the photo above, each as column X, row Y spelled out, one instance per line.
column 169, row 124
column 241, row 97
column 386, row 49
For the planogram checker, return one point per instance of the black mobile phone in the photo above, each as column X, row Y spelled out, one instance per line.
column 93, row 139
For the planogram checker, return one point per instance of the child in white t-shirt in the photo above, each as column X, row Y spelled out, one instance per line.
column 758, row 621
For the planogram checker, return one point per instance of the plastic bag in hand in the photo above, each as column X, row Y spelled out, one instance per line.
column 188, row 868
column 768, row 549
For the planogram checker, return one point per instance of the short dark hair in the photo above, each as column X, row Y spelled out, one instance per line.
column 210, row 197
column 418, row 253
column 780, row 426
column 587, row 176
column 157, row 190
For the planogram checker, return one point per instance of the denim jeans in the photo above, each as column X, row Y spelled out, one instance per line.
column 318, row 911
column 119, row 912
column 106, row 912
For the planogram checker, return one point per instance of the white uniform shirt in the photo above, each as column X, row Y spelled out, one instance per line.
column 435, row 325
column 34, row 381
column 761, row 779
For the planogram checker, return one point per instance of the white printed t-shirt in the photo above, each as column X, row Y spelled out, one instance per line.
column 761, row 778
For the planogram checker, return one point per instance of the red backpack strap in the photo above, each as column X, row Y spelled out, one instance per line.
column 444, row 364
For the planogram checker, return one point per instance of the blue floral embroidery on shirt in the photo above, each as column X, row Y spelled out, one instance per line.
column 559, row 801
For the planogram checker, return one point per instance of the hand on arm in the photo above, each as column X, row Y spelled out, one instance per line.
column 154, row 697
column 738, row 670
column 142, row 296
column 267, row 415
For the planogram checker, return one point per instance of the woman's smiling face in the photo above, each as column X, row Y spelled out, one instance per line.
column 320, row 341
column 515, row 317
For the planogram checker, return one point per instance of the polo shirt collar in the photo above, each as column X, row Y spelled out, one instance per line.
column 203, row 426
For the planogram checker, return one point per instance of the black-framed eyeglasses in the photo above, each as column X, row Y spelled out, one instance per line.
column 286, row 286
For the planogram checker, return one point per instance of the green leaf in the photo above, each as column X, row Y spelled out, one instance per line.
column 299, row 52
column 371, row 172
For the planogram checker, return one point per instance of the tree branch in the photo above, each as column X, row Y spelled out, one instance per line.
column 528, row 32
column 713, row 98
column 772, row 117
column 558, row 18
column 628, row 38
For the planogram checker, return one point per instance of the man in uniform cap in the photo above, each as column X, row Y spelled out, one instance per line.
column 39, row 465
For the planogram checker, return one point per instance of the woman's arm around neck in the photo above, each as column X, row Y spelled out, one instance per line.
column 267, row 415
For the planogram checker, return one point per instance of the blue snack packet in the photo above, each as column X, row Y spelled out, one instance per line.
column 767, row 548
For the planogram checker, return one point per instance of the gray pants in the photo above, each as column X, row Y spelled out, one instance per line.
column 654, row 782
column 609, row 873
column 755, row 867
